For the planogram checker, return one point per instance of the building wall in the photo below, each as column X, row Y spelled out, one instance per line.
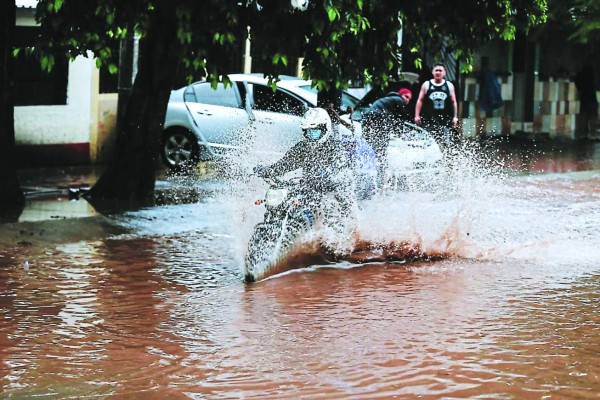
column 56, row 124
column 547, row 89
column 61, row 129
column 58, row 134
column 556, row 111
column 478, row 123
column 104, row 142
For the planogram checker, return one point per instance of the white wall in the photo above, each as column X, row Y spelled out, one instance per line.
column 60, row 124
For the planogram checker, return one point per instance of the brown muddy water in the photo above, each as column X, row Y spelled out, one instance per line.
column 153, row 304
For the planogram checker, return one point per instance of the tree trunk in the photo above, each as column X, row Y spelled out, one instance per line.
column 11, row 195
column 125, row 81
column 131, row 174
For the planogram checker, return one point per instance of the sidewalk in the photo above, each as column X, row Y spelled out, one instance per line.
column 54, row 213
column 55, row 193
column 58, row 180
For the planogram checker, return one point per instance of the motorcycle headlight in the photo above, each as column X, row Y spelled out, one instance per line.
column 275, row 197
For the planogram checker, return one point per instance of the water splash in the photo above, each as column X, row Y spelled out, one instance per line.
column 476, row 208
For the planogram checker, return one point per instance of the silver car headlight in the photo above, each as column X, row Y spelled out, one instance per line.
column 275, row 197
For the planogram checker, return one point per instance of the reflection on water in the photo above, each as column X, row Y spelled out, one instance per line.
column 54, row 193
column 546, row 157
column 55, row 206
column 162, row 312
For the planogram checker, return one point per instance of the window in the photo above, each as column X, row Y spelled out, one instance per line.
column 222, row 96
column 348, row 100
column 32, row 85
column 267, row 100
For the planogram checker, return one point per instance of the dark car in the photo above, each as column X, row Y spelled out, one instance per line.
column 410, row 81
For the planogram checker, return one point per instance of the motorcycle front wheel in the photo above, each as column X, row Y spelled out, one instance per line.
column 267, row 247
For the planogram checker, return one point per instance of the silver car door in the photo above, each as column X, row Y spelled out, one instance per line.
column 277, row 117
column 218, row 114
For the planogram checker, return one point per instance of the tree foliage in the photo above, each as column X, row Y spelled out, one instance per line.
column 356, row 40
column 439, row 27
column 340, row 40
column 75, row 27
column 575, row 20
column 585, row 17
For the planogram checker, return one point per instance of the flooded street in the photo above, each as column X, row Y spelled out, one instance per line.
column 503, row 304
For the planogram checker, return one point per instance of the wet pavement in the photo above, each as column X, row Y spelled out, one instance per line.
column 150, row 303
column 54, row 194
column 55, row 211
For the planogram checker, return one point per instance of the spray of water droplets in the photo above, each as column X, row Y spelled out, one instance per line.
column 473, row 207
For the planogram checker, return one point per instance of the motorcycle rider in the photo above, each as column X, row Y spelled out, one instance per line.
column 325, row 163
column 385, row 116
column 360, row 151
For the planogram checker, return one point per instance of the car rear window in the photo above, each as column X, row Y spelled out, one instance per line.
column 267, row 100
column 348, row 100
column 221, row 96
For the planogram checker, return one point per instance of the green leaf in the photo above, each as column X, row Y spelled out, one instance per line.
column 280, row 58
column 332, row 13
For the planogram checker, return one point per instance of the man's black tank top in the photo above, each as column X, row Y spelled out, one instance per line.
column 438, row 102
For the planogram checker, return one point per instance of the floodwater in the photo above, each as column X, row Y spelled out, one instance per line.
column 505, row 303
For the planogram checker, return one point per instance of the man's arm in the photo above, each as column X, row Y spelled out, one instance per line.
column 290, row 161
column 454, row 105
column 419, row 104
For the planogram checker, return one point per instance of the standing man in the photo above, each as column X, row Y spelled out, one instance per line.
column 438, row 107
column 383, row 118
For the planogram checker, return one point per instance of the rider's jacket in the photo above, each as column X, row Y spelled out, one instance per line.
column 325, row 166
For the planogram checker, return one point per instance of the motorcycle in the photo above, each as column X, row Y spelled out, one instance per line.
column 291, row 210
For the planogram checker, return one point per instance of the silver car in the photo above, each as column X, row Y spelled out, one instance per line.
column 202, row 123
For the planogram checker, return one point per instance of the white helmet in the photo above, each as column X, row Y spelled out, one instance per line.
column 301, row 5
column 316, row 125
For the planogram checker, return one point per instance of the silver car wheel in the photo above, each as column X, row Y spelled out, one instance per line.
column 179, row 149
